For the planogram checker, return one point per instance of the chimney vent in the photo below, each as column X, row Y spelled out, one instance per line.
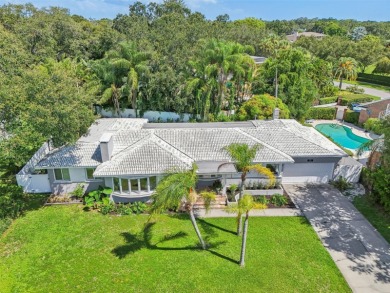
column 106, row 146
column 276, row 113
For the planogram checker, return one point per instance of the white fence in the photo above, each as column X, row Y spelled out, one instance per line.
column 150, row 115
column 34, row 183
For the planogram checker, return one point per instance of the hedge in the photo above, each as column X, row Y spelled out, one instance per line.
column 328, row 100
column 347, row 100
column 374, row 78
column 321, row 113
column 374, row 125
column 351, row 117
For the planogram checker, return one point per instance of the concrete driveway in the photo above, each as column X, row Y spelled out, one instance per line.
column 379, row 93
column 359, row 251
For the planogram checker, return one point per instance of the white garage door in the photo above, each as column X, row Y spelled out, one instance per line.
column 307, row 172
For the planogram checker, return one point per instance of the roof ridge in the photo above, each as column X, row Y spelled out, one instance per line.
column 170, row 148
column 265, row 144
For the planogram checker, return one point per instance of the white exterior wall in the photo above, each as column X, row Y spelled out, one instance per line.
column 77, row 174
column 150, row 115
column 308, row 173
column 34, row 183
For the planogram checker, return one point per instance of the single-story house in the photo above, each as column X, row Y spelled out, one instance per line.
column 130, row 155
column 295, row 36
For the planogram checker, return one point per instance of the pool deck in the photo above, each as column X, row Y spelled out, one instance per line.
column 355, row 130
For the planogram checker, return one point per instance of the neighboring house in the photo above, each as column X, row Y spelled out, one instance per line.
column 375, row 109
column 295, row 36
column 258, row 60
column 130, row 155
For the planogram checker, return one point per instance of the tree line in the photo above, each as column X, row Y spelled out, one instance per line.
column 55, row 67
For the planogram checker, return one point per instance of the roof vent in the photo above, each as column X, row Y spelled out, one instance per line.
column 275, row 114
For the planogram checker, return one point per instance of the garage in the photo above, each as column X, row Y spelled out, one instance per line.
column 307, row 173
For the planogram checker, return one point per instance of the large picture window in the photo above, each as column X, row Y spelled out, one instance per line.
column 134, row 185
column 62, row 174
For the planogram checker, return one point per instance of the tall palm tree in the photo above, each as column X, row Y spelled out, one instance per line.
column 346, row 67
column 133, row 65
column 244, row 206
column 221, row 61
column 178, row 188
column 243, row 157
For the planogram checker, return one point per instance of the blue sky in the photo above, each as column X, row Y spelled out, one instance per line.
column 237, row 9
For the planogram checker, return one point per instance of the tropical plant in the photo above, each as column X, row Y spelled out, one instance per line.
column 341, row 184
column 243, row 157
column 346, row 68
column 138, row 207
column 177, row 188
column 262, row 199
column 244, row 206
column 278, row 200
column 97, row 197
column 78, row 191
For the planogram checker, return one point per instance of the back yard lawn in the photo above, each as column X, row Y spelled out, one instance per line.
column 64, row 249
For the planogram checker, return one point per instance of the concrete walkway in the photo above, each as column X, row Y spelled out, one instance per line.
column 379, row 93
column 359, row 251
column 220, row 213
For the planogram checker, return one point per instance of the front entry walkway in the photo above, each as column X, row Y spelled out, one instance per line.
column 359, row 251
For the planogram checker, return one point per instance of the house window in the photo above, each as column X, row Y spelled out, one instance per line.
column 117, row 186
column 89, row 172
column 134, row 185
column 62, row 174
column 143, row 184
column 124, row 185
column 152, row 183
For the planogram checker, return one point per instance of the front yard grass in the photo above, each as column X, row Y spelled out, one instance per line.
column 64, row 249
column 375, row 215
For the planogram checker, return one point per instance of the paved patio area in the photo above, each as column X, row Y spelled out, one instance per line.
column 359, row 251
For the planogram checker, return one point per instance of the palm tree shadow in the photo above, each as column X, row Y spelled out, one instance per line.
column 208, row 227
column 136, row 242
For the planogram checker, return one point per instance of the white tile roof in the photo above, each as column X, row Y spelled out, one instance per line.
column 79, row 155
column 153, row 150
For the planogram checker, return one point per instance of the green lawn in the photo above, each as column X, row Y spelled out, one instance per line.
column 375, row 215
column 64, row 249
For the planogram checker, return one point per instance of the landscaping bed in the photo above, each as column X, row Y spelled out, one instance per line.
column 64, row 249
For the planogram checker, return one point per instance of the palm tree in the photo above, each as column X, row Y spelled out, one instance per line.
column 346, row 68
column 373, row 146
column 178, row 188
column 243, row 156
column 244, row 206
column 221, row 61
column 133, row 65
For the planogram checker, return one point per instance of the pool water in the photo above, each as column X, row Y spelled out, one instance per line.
column 342, row 135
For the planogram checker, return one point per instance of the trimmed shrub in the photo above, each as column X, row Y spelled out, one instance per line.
column 348, row 99
column 355, row 89
column 351, row 117
column 321, row 113
column 374, row 125
column 374, row 78
column 328, row 100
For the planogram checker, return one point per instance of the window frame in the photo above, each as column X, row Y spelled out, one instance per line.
column 131, row 190
column 62, row 170
column 86, row 174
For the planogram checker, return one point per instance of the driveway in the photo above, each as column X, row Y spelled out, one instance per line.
column 379, row 93
column 359, row 251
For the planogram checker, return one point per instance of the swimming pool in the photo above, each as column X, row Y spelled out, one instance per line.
column 342, row 135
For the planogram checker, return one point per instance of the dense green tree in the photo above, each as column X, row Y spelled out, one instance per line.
column 383, row 66
column 295, row 85
column 262, row 107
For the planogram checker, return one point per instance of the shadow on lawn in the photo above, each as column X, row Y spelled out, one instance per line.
column 135, row 242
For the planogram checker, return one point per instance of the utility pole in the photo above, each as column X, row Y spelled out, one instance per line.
column 276, row 83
